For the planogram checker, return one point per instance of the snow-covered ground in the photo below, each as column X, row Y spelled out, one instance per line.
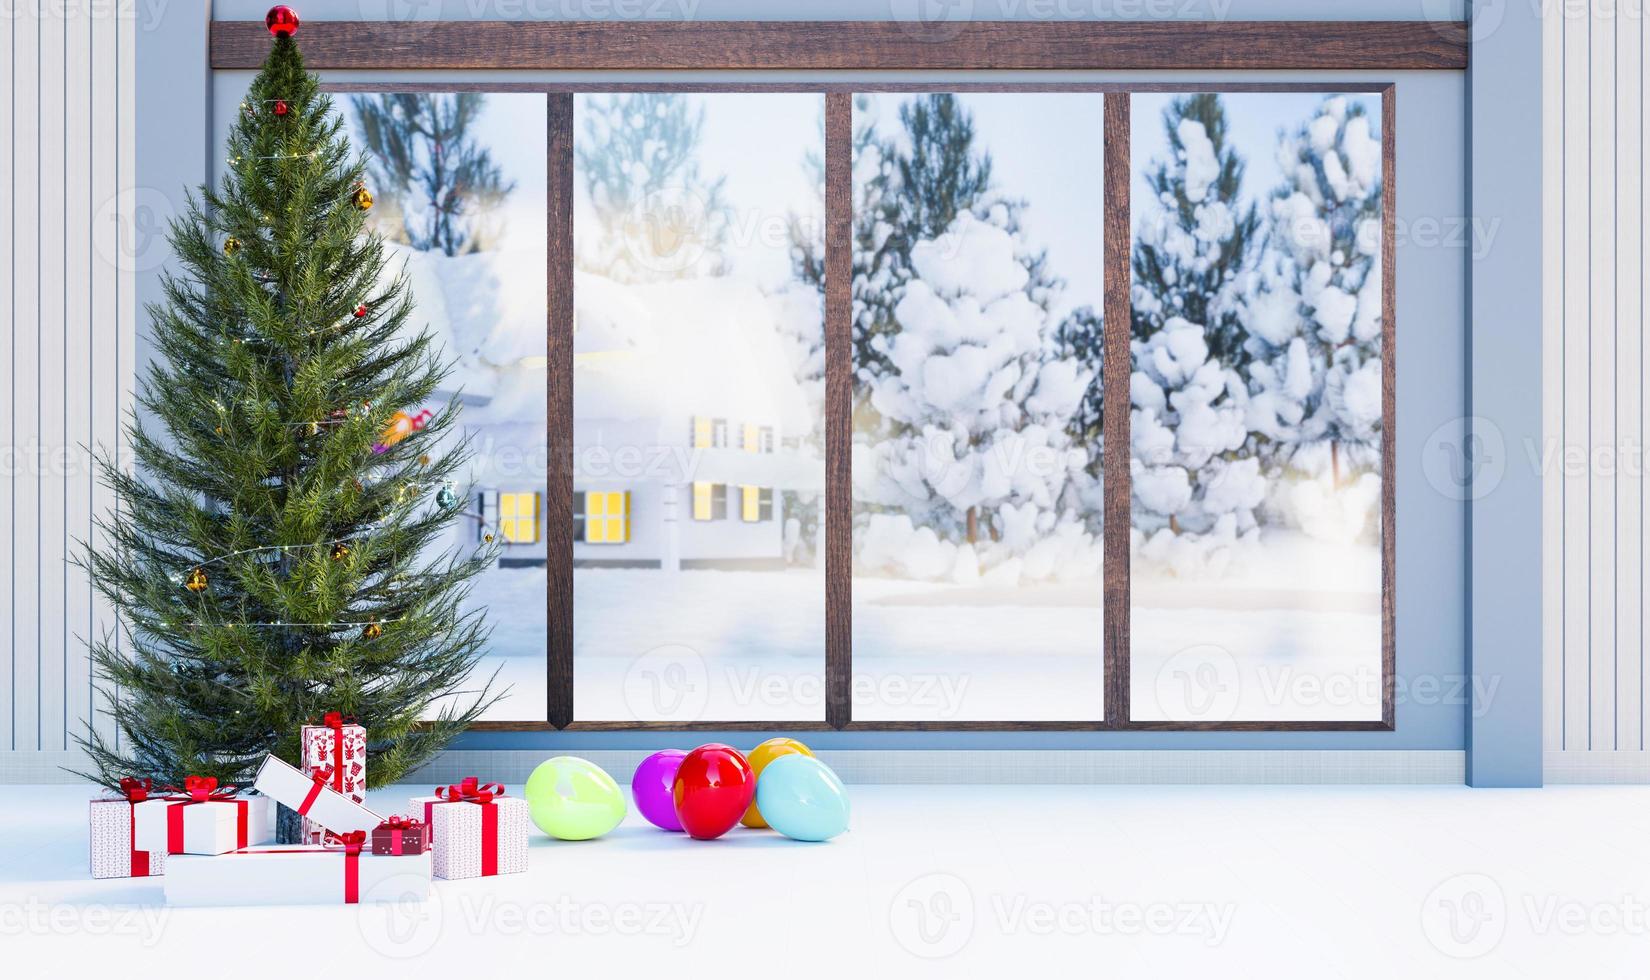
column 1296, row 637
column 932, row 881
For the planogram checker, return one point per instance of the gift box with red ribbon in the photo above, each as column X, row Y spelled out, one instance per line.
column 399, row 835
column 475, row 829
column 337, row 749
column 200, row 818
column 312, row 796
column 299, row 874
column 114, row 826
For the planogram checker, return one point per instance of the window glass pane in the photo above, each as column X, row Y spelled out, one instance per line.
column 698, row 322
column 477, row 272
column 977, row 496
column 1257, row 407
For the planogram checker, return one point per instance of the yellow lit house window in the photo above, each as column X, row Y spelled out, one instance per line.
column 710, row 501
column 518, row 517
column 607, row 517
column 752, row 442
column 709, row 433
column 750, row 503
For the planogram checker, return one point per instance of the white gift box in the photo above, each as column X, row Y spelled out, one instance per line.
column 301, row 874
column 210, row 827
column 313, row 798
column 458, row 835
column 113, row 856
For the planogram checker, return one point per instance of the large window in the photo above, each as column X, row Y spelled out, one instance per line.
column 980, row 407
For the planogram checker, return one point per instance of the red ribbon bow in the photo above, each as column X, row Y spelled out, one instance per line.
column 353, row 841
column 201, row 789
column 136, row 790
column 469, row 790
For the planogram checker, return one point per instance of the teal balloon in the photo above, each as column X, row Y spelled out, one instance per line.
column 801, row 797
column 574, row 799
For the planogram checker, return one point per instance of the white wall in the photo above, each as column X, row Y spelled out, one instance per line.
column 73, row 230
column 1596, row 687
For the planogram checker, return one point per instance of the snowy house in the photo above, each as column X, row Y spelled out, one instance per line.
column 689, row 426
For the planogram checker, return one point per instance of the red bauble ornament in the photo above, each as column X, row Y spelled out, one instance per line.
column 361, row 311
column 713, row 786
column 281, row 107
column 282, row 21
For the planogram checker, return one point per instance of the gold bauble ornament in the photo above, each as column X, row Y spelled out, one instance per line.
column 362, row 198
column 340, row 551
column 231, row 245
column 372, row 632
column 196, row 582
column 488, row 537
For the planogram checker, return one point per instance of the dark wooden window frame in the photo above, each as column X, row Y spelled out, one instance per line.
column 1326, row 46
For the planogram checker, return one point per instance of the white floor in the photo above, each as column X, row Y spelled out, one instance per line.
column 936, row 881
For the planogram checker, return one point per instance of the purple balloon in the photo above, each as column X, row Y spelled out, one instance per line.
column 651, row 788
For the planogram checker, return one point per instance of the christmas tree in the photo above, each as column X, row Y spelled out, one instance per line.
column 275, row 554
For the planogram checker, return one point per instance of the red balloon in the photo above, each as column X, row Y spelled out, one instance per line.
column 282, row 21
column 712, row 788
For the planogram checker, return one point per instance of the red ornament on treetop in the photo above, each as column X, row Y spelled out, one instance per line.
column 281, row 107
column 282, row 21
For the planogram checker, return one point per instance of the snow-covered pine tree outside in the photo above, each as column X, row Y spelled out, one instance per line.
column 1313, row 314
column 1194, row 487
column 973, row 417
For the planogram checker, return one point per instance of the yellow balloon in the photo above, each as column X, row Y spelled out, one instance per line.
column 759, row 758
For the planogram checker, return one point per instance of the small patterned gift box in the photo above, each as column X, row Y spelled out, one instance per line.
column 202, row 818
column 475, row 830
column 399, row 835
column 114, row 822
column 336, row 749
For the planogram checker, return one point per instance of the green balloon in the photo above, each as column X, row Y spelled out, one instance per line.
column 574, row 799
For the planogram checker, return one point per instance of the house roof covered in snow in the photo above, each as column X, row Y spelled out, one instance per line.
column 708, row 346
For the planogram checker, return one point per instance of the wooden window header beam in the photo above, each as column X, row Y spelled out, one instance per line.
column 859, row 45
